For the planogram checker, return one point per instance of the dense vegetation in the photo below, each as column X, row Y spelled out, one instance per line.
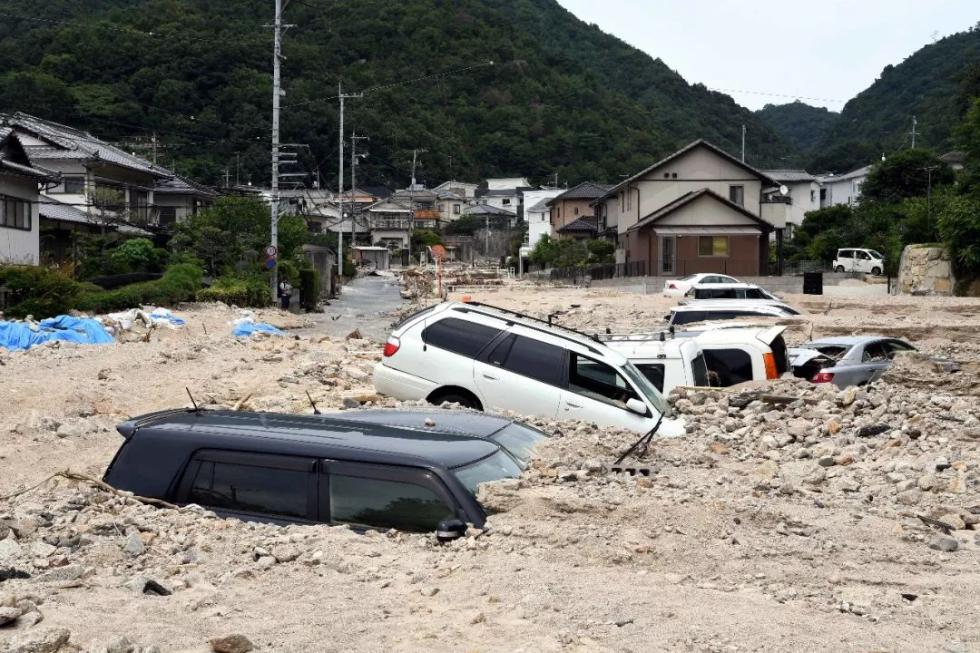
column 560, row 95
column 799, row 124
column 934, row 84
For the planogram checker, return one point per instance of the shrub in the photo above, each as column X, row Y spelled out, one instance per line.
column 252, row 291
column 38, row 291
column 179, row 284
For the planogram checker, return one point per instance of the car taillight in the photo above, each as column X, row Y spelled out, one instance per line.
column 671, row 286
column 823, row 377
column 770, row 361
column 391, row 347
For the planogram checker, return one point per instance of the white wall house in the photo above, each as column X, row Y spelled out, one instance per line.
column 19, row 220
column 537, row 213
column 803, row 193
column 842, row 189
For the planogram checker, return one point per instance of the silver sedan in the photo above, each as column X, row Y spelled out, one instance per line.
column 846, row 361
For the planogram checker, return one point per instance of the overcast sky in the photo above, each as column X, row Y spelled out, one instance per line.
column 823, row 53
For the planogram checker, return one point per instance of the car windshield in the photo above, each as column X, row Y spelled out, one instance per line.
column 689, row 277
column 875, row 254
column 519, row 440
column 494, row 467
column 646, row 388
column 835, row 352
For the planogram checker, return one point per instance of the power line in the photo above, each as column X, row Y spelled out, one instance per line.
column 784, row 95
column 102, row 25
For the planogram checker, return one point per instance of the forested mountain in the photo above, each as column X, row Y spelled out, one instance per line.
column 560, row 95
column 932, row 84
column 799, row 124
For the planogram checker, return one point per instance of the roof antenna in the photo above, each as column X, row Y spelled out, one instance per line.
column 193, row 403
column 316, row 411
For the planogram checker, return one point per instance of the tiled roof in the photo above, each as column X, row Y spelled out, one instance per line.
column 178, row 185
column 582, row 225
column 540, row 207
column 790, row 175
column 66, row 142
column 584, row 191
column 52, row 209
column 486, row 209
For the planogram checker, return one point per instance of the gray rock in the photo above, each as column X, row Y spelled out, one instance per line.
column 826, row 461
column 944, row 543
column 120, row 645
column 134, row 545
column 350, row 402
column 45, row 641
column 9, row 615
column 71, row 429
column 9, row 549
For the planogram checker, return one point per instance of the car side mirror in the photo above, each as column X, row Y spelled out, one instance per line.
column 637, row 406
column 450, row 529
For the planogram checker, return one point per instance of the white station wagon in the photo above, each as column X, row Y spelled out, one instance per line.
column 492, row 359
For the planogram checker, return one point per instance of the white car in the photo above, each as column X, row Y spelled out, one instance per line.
column 717, row 356
column 709, row 310
column 492, row 359
column 859, row 260
column 729, row 291
column 679, row 287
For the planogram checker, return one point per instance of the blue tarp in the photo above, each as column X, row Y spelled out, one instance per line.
column 167, row 316
column 245, row 329
column 19, row 336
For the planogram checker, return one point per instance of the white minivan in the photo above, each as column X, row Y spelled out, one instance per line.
column 859, row 260
column 492, row 359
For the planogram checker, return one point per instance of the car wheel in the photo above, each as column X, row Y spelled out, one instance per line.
column 839, row 268
column 464, row 399
column 876, row 271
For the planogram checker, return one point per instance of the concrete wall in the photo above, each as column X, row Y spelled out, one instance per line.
column 20, row 245
column 785, row 284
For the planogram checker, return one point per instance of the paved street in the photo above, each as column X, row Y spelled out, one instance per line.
column 363, row 304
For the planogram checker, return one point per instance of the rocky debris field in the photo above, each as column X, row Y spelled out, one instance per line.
column 791, row 517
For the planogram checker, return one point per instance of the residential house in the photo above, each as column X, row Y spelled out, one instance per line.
column 450, row 205
column 698, row 210
column 425, row 205
column 505, row 193
column 506, row 183
column 572, row 213
column 802, row 194
column 390, row 222
column 19, row 202
column 493, row 216
column 177, row 198
column 842, row 189
column 537, row 213
column 461, row 188
column 101, row 188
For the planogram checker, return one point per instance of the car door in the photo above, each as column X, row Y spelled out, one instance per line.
column 845, row 259
column 522, row 374
column 862, row 261
column 874, row 361
column 597, row 393
column 373, row 496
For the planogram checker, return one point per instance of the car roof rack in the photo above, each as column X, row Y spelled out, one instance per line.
column 524, row 316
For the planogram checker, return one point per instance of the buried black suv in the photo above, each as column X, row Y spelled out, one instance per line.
column 413, row 471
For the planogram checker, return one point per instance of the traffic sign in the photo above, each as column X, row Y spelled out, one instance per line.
column 271, row 251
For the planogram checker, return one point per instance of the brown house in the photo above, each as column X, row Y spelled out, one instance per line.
column 573, row 213
column 698, row 210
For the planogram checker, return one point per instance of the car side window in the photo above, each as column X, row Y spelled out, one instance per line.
column 253, row 487
column 535, row 359
column 754, row 293
column 654, row 373
column 598, row 381
column 863, row 256
column 845, row 253
column 378, row 503
column 898, row 345
column 727, row 366
column 715, row 293
column 459, row 336
column 874, row 352
column 498, row 355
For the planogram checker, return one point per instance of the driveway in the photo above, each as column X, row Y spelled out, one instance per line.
column 364, row 304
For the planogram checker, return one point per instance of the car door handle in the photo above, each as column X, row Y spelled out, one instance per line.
column 489, row 378
column 571, row 405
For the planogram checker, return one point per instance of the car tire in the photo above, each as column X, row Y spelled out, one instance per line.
column 876, row 271
column 839, row 268
column 461, row 397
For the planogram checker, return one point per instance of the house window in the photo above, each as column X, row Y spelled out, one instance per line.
column 74, row 185
column 813, row 195
column 506, row 202
column 620, row 200
column 456, row 208
column 712, row 245
column 576, row 210
column 168, row 216
column 737, row 195
column 15, row 213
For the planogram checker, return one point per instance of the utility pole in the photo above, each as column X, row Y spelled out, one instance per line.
column 929, row 170
column 914, row 124
column 154, row 148
column 227, row 177
column 411, row 201
column 353, row 184
column 276, row 95
column 238, row 168
column 743, row 143
column 340, row 179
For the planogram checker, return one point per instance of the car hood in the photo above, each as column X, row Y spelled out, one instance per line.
column 671, row 428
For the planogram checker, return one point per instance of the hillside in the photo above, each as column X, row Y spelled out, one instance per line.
column 799, row 124
column 932, row 84
column 560, row 94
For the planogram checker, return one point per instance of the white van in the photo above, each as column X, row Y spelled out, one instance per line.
column 859, row 260
column 716, row 356
column 492, row 359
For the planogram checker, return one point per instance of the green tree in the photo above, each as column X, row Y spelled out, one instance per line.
column 909, row 173
column 601, row 252
column 959, row 224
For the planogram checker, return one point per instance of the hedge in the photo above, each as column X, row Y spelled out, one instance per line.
column 253, row 291
column 38, row 291
column 179, row 284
